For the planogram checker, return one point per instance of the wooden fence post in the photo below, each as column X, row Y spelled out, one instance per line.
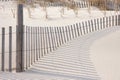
column 19, row 42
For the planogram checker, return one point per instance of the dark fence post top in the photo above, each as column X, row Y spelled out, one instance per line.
column 20, row 15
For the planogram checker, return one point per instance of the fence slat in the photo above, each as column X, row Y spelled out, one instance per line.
column 10, row 48
column 46, row 40
column 32, row 46
column 92, row 25
column 110, row 21
column 61, row 35
column 77, row 29
column 86, row 26
column 95, row 24
column 103, row 24
column 72, row 31
column 66, row 30
column 116, row 21
column 41, row 30
column 49, row 39
column 69, row 33
column 119, row 19
column 80, row 28
column 52, row 41
column 106, row 22
column 53, row 36
column 56, row 34
column 29, row 45
column 37, row 43
column 34, row 41
column 89, row 26
column 44, row 43
column 83, row 27
column 26, row 47
column 113, row 20
column 98, row 22
column 3, row 49
column 64, row 34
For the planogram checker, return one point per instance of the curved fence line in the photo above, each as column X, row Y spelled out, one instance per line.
column 40, row 41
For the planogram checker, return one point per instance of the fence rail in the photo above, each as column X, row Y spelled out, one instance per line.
column 40, row 41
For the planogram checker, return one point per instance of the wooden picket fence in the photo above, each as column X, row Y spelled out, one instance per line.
column 40, row 41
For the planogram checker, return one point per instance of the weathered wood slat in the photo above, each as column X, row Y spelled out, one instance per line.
column 10, row 48
column 3, row 49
